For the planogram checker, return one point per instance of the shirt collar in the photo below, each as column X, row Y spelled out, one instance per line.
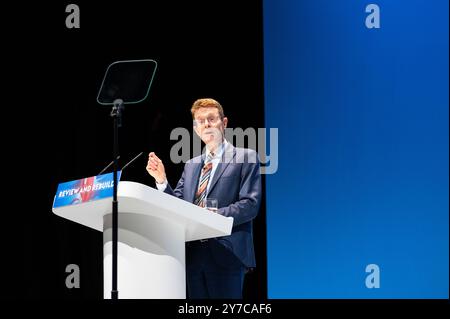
column 219, row 151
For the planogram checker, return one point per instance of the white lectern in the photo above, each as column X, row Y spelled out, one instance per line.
column 153, row 229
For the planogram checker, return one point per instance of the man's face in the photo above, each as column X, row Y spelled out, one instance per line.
column 209, row 126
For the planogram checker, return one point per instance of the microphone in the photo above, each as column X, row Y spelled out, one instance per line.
column 132, row 160
column 112, row 162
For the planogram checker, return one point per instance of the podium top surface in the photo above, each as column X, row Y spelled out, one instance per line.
column 137, row 198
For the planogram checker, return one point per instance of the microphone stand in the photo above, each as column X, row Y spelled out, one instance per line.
column 116, row 114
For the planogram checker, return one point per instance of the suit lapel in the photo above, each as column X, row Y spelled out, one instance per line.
column 227, row 156
column 194, row 178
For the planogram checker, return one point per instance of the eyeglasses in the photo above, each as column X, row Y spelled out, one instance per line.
column 211, row 120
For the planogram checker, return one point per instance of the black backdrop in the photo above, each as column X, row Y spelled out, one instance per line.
column 55, row 130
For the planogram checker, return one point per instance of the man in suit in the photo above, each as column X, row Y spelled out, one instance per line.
column 215, row 268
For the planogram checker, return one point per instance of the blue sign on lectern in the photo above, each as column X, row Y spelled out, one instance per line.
column 85, row 190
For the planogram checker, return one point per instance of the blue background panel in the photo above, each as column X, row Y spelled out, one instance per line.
column 363, row 148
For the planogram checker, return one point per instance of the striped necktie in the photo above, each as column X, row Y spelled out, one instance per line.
column 200, row 195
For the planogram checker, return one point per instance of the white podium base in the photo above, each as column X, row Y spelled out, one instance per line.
column 150, row 259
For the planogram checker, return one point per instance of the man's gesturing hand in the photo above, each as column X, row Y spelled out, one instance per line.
column 155, row 168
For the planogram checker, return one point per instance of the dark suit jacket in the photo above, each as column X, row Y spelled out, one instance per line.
column 236, row 185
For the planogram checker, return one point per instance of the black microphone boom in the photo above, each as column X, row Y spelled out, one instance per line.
column 118, row 157
column 132, row 160
column 112, row 162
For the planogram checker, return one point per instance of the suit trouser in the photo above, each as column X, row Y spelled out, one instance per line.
column 213, row 274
